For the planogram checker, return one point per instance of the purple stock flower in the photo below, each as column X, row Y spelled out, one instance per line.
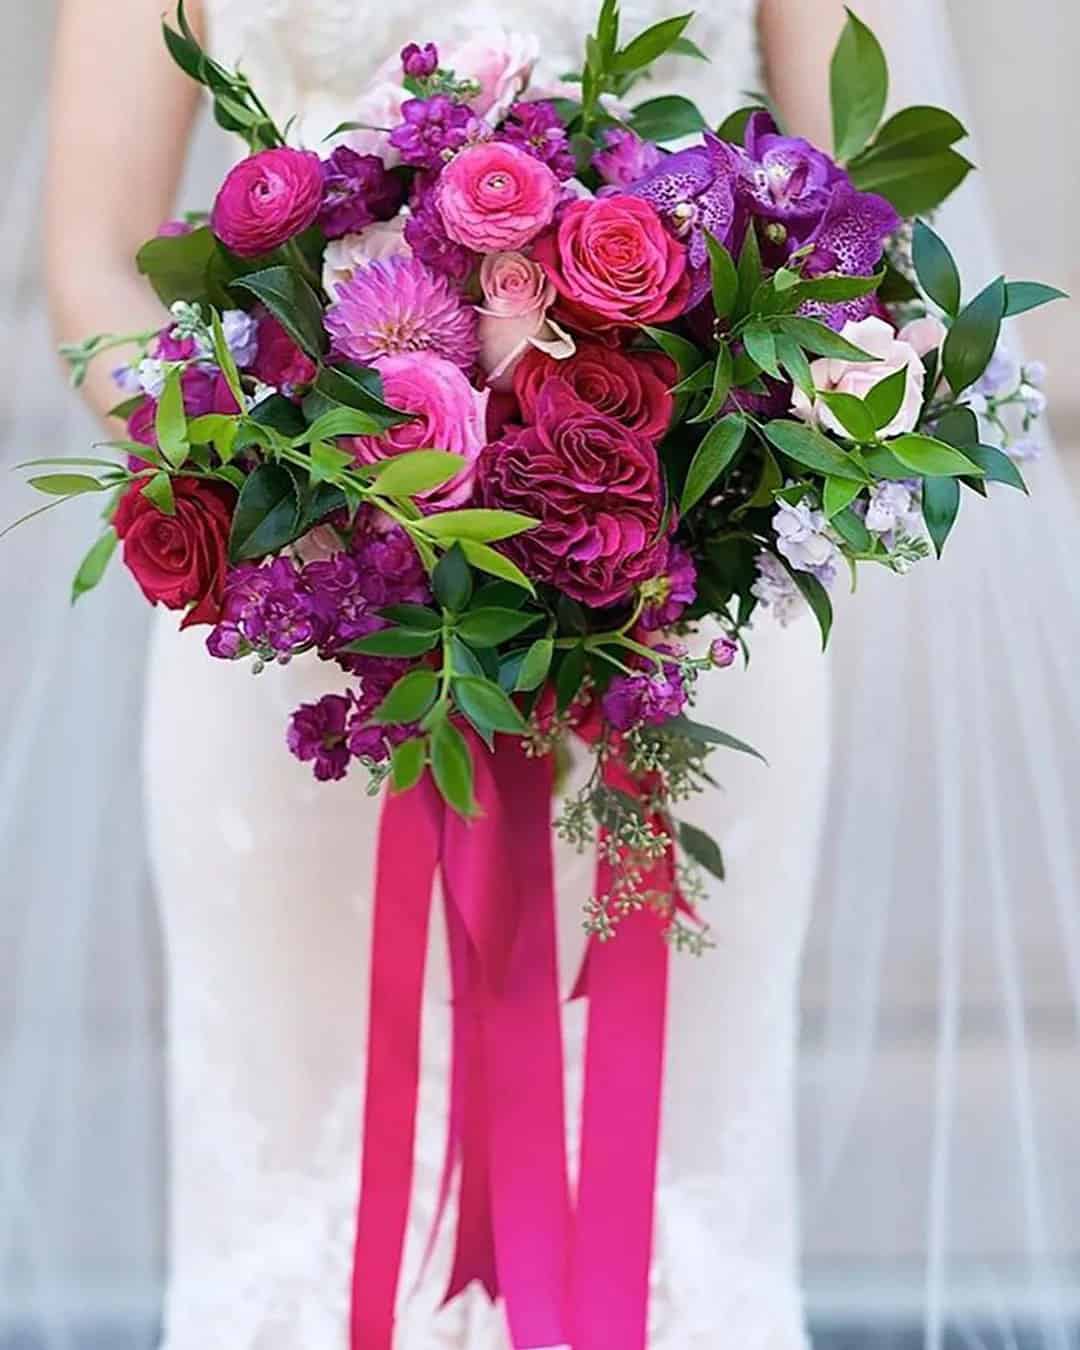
column 646, row 698
column 787, row 179
column 667, row 595
column 426, row 235
column 420, row 63
column 723, row 651
column 317, row 735
column 357, row 190
column 694, row 191
column 626, row 158
column 538, row 129
column 432, row 130
column 399, row 305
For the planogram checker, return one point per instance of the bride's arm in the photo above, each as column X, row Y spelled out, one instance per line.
column 121, row 116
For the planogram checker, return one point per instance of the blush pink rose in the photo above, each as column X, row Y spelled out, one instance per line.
column 501, row 63
column 493, row 197
column 346, row 256
column 268, row 199
column 614, row 264
column 449, row 415
column 925, row 335
column 517, row 297
column 875, row 336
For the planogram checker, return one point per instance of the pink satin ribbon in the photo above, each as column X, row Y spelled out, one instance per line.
column 570, row 1280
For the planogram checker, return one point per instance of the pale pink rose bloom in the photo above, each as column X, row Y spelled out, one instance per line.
column 514, row 315
column 875, row 336
column 379, row 109
column 346, row 256
column 500, row 62
column 925, row 335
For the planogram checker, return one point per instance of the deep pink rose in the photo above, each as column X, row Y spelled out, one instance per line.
column 631, row 387
column 179, row 560
column 613, row 263
column 450, row 415
column 279, row 361
column 494, row 197
column 597, row 489
column 267, row 199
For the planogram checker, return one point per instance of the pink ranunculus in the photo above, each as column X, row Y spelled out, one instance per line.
column 517, row 297
column 345, row 257
column 449, row 415
column 925, row 335
column 630, row 386
column 614, row 264
column 268, row 199
column 280, row 363
column 597, row 490
column 875, row 336
column 493, row 197
column 501, row 63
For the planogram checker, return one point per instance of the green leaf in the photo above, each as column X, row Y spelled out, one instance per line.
column 834, row 287
column 718, row 448
column 958, row 427
column 487, row 706
column 407, row 764
column 917, row 130
column 820, row 339
column 92, row 568
column 883, row 464
column 358, row 387
column 749, row 270
column 159, row 490
column 535, row 666
column 973, row 336
column 476, row 524
column 452, row 581
column 858, row 86
column 409, row 699
column 733, row 128
column 464, row 660
column 883, row 399
column 940, row 503
column 224, row 357
column 418, row 618
column 650, row 44
column 851, row 412
column 177, row 266
column 170, row 422
column 292, row 302
column 997, row 467
column 704, row 735
column 685, row 47
column 702, row 848
column 416, row 471
column 1020, row 296
column 667, row 118
column 722, row 376
column 936, row 268
column 686, row 356
column 817, row 597
column 452, row 766
column 570, row 675
column 393, row 642
column 67, row 484
column 267, row 513
column 760, row 346
column 327, row 462
column 932, row 458
column 207, row 429
column 838, row 495
column 725, row 277
column 495, row 564
column 916, row 185
column 339, row 421
column 806, row 445
column 793, row 360
column 607, row 30
column 488, row 627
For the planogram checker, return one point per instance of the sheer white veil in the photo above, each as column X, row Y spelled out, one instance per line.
column 941, row 1057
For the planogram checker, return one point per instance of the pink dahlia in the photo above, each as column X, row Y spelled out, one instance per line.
column 398, row 306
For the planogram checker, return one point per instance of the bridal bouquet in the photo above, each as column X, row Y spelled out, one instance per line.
column 519, row 399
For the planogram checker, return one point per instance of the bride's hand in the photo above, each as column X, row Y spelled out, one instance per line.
column 121, row 116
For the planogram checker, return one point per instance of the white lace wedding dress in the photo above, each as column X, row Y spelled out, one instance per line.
column 265, row 886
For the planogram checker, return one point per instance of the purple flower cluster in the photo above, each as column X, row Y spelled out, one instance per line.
column 426, row 235
column 337, row 729
column 667, row 595
column 646, row 698
column 419, row 63
column 433, row 129
column 539, row 130
column 357, row 190
column 625, row 158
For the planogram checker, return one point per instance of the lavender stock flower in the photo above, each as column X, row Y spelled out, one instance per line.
column 646, row 698
column 357, row 191
column 432, row 130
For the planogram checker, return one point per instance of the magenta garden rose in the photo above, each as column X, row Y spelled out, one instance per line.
column 268, row 199
column 449, row 415
column 633, row 387
column 597, row 489
column 613, row 263
column 493, row 197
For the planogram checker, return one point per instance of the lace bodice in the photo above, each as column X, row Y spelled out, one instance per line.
column 311, row 58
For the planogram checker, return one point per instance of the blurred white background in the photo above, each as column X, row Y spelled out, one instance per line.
column 1019, row 68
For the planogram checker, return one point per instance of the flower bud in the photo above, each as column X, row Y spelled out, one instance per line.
column 419, row 63
column 723, row 651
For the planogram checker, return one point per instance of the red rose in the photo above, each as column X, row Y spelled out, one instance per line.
column 267, row 199
column 597, row 490
column 179, row 560
column 631, row 387
column 280, row 362
column 613, row 263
